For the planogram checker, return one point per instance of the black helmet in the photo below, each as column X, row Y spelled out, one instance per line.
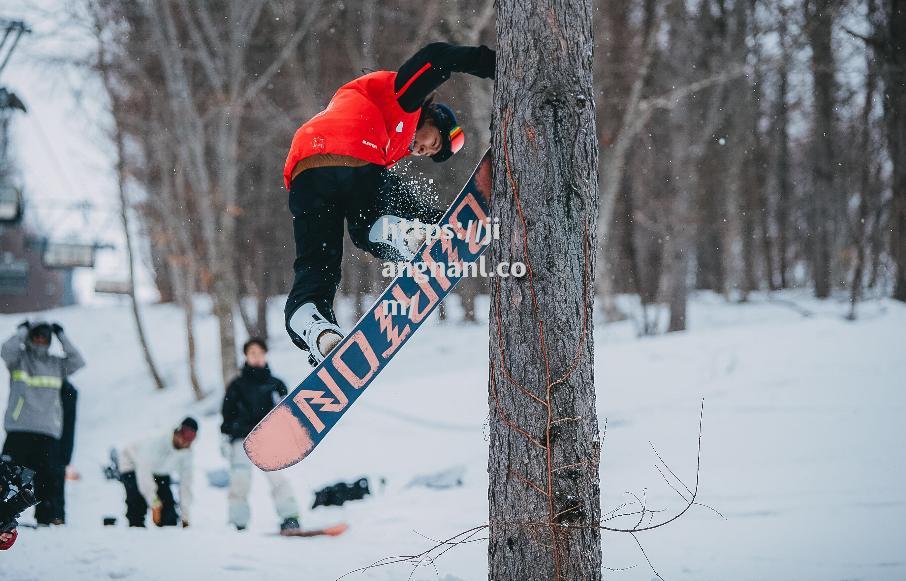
column 451, row 134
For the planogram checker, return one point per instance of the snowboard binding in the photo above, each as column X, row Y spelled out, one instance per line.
column 306, row 327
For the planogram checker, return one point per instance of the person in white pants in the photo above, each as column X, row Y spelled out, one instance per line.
column 241, row 482
column 249, row 398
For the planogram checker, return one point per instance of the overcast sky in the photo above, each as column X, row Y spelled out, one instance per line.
column 60, row 146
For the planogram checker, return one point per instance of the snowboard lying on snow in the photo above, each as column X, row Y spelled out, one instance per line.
column 295, row 427
column 334, row 531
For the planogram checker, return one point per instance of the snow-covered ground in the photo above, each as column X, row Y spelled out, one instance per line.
column 802, row 452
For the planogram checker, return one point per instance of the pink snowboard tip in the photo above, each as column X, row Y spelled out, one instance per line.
column 278, row 441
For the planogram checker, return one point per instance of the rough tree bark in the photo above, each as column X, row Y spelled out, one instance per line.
column 544, row 443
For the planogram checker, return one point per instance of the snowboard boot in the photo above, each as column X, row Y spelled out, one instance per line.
column 289, row 525
column 312, row 331
column 404, row 236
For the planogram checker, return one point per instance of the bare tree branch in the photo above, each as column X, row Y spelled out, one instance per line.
column 312, row 12
column 209, row 64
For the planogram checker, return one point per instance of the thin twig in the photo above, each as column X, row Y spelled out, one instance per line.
column 644, row 554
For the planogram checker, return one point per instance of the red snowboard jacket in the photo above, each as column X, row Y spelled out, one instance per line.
column 374, row 117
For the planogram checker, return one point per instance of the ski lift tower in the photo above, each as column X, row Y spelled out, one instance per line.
column 25, row 284
column 12, row 32
column 10, row 196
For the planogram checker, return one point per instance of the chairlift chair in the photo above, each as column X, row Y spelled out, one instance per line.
column 10, row 204
column 112, row 287
column 68, row 255
column 13, row 275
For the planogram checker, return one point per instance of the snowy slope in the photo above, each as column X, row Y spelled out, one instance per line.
column 802, row 452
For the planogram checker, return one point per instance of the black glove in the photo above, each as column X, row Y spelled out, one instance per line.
column 24, row 325
column 57, row 329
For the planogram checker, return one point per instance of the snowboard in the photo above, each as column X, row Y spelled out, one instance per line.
column 306, row 415
column 334, row 531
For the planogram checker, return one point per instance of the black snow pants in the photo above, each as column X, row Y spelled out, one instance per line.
column 137, row 506
column 69, row 397
column 320, row 199
column 41, row 453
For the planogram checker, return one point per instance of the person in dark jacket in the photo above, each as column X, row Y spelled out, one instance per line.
column 337, row 169
column 68, row 397
column 34, row 414
column 248, row 399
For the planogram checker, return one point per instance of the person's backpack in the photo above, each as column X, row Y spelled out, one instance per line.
column 337, row 494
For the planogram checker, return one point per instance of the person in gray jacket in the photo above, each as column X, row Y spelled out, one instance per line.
column 34, row 414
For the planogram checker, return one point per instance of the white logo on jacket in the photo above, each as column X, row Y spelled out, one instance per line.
column 399, row 127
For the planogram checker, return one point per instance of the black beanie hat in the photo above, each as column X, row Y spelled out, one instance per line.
column 43, row 330
column 189, row 424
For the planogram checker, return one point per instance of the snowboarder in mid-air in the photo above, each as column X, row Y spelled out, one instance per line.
column 337, row 169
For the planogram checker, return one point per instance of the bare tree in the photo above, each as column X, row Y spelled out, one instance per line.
column 208, row 87
column 233, row 80
column 694, row 149
column 781, row 162
column 892, row 39
column 862, row 224
column 124, row 209
column 820, row 15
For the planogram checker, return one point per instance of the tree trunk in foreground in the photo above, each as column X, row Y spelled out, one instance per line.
column 544, row 443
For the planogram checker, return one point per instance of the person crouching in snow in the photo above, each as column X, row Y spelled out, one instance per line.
column 248, row 399
column 146, row 471
column 337, row 169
